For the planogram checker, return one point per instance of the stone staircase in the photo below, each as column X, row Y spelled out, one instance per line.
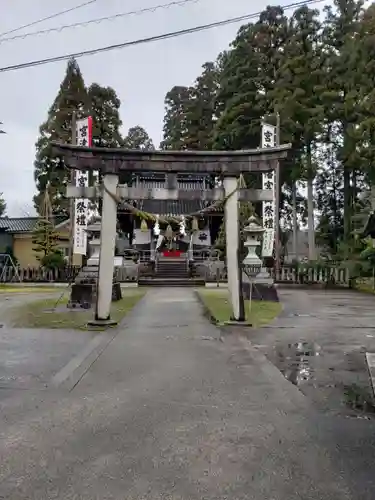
column 171, row 272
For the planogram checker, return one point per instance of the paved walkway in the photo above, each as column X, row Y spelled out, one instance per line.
column 340, row 326
column 170, row 412
column 29, row 358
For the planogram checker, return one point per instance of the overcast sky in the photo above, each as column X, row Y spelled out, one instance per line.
column 141, row 75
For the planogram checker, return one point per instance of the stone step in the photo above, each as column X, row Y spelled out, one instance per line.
column 170, row 282
column 172, row 269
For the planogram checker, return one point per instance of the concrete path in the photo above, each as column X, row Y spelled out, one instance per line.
column 30, row 358
column 340, row 325
column 169, row 412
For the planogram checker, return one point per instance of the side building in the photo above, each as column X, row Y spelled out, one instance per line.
column 16, row 238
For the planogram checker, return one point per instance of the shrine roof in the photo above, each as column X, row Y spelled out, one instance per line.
column 171, row 207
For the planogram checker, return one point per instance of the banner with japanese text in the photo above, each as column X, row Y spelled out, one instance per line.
column 269, row 140
column 81, row 208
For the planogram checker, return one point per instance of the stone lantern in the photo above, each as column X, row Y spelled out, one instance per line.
column 94, row 230
column 255, row 272
column 253, row 233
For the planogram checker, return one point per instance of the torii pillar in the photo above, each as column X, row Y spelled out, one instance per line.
column 231, row 214
column 107, row 250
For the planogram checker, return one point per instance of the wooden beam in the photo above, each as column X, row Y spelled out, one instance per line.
column 136, row 193
column 225, row 163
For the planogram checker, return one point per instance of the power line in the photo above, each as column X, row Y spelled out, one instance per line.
column 52, row 16
column 99, row 20
column 150, row 39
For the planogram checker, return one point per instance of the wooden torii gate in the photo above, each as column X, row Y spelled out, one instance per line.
column 229, row 165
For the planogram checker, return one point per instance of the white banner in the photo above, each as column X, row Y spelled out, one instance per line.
column 269, row 140
column 84, row 138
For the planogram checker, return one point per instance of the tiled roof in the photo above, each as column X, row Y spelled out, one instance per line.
column 171, row 207
column 22, row 224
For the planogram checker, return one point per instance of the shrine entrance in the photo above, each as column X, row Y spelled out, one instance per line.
column 226, row 166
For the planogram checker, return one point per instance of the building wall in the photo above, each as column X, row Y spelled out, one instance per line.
column 24, row 253
column 6, row 241
column 23, row 250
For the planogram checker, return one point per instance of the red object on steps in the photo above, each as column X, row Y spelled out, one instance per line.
column 172, row 253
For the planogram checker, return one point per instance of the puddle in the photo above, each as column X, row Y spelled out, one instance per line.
column 295, row 361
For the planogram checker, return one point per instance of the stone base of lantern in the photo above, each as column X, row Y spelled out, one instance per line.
column 238, row 323
column 84, row 290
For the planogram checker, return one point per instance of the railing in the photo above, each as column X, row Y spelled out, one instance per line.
column 139, row 255
column 297, row 275
column 203, row 255
column 9, row 274
column 126, row 274
column 305, row 274
column 210, row 268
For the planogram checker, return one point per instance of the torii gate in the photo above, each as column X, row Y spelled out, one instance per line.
column 111, row 162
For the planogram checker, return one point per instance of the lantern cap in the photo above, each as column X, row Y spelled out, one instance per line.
column 253, row 226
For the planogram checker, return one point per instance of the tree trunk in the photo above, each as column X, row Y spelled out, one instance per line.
column 347, row 205
column 310, row 205
column 295, row 222
column 349, row 147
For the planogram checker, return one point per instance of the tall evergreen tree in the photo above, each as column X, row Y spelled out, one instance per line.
column 238, row 126
column 366, row 128
column 201, row 112
column 343, row 91
column 72, row 96
column 175, row 130
column 272, row 32
column 138, row 138
column 329, row 199
column 105, row 111
column 297, row 95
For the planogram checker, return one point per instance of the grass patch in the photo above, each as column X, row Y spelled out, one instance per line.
column 217, row 302
column 29, row 289
column 41, row 313
column 365, row 285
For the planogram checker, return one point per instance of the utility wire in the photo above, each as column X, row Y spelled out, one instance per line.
column 150, row 39
column 52, row 16
column 99, row 20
